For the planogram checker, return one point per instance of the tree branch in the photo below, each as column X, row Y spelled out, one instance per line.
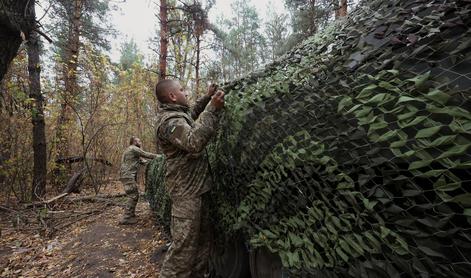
column 43, row 35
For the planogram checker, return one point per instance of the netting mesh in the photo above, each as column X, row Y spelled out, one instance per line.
column 156, row 194
column 351, row 155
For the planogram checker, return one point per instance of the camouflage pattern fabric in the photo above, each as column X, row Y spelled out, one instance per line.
column 189, row 253
column 130, row 188
column 156, row 194
column 131, row 159
column 183, row 140
column 350, row 156
column 183, row 133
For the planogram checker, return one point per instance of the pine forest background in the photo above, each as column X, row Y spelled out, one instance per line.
column 67, row 111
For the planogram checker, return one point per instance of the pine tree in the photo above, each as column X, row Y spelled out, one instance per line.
column 38, row 188
column 240, row 49
column 129, row 55
column 276, row 33
column 75, row 22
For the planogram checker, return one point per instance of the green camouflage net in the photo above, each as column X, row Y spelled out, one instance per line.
column 156, row 194
column 350, row 156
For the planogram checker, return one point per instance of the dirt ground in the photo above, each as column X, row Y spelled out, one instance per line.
column 79, row 239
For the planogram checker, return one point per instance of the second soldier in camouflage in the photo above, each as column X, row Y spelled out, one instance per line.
column 132, row 157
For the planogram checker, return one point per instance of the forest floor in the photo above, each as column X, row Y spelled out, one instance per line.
column 79, row 238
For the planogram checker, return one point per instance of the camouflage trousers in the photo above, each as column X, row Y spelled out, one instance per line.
column 188, row 256
column 130, row 188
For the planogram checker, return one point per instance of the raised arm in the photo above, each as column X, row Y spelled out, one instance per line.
column 144, row 154
column 201, row 103
column 199, row 106
column 191, row 139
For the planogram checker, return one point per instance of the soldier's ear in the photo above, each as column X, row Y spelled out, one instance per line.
column 172, row 96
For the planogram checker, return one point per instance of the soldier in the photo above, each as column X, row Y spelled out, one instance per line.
column 132, row 157
column 183, row 133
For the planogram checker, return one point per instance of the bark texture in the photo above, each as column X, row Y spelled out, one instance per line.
column 15, row 18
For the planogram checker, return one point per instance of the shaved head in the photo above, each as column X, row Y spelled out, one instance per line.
column 162, row 89
column 171, row 92
column 135, row 141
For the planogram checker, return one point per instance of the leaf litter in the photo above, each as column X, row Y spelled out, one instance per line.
column 79, row 239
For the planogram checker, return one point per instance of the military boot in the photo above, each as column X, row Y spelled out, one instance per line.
column 128, row 220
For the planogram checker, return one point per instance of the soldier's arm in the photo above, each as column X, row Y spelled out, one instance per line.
column 202, row 102
column 199, row 106
column 144, row 154
column 191, row 139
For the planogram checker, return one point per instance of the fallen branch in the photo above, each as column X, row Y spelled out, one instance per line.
column 47, row 201
column 61, row 227
column 8, row 209
column 80, row 217
column 99, row 197
column 96, row 197
column 56, row 198
column 75, row 159
column 57, row 211
column 74, row 183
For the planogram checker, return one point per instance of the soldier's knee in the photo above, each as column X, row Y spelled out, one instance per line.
column 131, row 190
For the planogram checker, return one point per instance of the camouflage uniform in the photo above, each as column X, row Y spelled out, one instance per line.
column 183, row 134
column 132, row 157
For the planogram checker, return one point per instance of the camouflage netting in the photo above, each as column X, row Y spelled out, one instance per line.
column 155, row 192
column 350, row 156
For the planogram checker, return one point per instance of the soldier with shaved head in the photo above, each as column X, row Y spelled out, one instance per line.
column 183, row 133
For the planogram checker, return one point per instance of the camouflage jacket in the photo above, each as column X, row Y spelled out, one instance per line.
column 132, row 157
column 182, row 134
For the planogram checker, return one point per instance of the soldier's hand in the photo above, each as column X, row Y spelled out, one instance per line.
column 218, row 100
column 212, row 89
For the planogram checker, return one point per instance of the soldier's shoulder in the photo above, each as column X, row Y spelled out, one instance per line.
column 165, row 116
column 134, row 149
column 169, row 126
column 129, row 148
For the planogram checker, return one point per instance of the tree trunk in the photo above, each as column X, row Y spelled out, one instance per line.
column 38, row 188
column 70, row 65
column 197, row 64
column 315, row 21
column 10, row 42
column 342, row 9
column 13, row 21
column 163, row 39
